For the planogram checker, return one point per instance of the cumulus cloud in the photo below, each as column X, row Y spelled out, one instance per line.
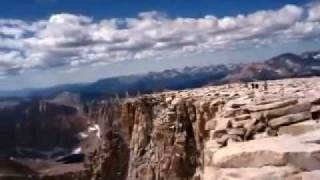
column 74, row 40
column 313, row 13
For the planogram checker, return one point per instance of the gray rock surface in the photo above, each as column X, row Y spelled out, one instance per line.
column 211, row 133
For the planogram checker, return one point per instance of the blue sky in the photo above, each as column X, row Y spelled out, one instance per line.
column 49, row 42
column 35, row 9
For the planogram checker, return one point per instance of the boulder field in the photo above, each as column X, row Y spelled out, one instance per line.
column 224, row 132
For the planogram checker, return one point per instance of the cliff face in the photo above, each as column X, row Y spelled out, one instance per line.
column 152, row 138
column 210, row 133
column 165, row 140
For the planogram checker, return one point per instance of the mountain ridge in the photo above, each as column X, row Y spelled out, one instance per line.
column 285, row 65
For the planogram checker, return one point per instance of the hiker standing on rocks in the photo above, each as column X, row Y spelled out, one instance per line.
column 252, row 86
column 265, row 86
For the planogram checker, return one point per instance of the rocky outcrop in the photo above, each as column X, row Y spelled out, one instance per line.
column 148, row 141
column 220, row 132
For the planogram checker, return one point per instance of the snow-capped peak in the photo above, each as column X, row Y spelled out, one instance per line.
column 317, row 56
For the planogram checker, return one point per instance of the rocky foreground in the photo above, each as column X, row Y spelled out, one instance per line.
column 212, row 133
column 255, row 131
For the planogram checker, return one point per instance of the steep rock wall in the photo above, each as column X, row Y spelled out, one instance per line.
column 159, row 137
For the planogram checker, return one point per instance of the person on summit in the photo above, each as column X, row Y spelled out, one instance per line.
column 265, row 86
column 252, row 86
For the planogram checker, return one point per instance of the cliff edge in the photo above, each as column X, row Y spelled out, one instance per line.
column 247, row 131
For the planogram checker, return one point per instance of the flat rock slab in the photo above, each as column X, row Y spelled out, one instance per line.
column 299, row 128
column 284, row 150
column 222, row 124
column 313, row 175
column 274, row 105
column 289, row 119
column 263, row 173
column 293, row 109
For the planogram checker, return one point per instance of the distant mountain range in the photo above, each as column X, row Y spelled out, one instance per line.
column 282, row 66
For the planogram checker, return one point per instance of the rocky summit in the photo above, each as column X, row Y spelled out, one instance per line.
column 265, row 130
column 247, row 131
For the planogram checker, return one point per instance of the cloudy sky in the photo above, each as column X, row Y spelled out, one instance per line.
column 49, row 42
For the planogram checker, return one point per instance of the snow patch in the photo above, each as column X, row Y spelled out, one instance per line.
column 278, row 71
column 77, row 151
column 317, row 56
column 95, row 128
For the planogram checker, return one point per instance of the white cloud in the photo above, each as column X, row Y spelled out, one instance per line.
column 314, row 12
column 74, row 40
